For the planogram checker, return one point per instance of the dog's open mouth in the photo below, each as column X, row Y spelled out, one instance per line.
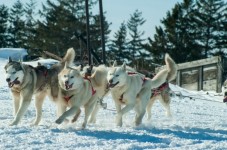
column 110, row 85
column 68, row 86
column 11, row 84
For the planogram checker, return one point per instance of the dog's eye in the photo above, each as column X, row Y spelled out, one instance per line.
column 65, row 75
column 116, row 75
column 72, row 77
column 14, row 72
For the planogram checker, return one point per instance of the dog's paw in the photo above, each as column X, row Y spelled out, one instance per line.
column 59, row 120
column 13, row 123
column 119, row 121
column 84, row 125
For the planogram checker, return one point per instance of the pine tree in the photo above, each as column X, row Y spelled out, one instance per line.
column 30, row 24
column 119, row 45
column 210, row 18
column 55, row 31
column 3, row 26
column 17, row 25
column 135, row 44
column 190, row 31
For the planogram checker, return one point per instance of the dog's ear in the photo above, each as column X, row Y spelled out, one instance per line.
column 66, row 65
column 123, row 66
column 10, row 59
column 115, row 63
column 39, row 64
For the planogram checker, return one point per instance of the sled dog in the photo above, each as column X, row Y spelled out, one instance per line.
column 132, row 90
column 75, row 91
column 163, row 92
column 224, row 91
column 26, row 81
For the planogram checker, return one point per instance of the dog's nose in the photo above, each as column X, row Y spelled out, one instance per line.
column 111, row 81
column 8, row 80
column 66, row 82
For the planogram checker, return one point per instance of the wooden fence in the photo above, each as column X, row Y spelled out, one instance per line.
column 206, row 74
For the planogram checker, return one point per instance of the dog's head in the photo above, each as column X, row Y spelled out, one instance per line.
column 86, row 71
column 14, row 73
column 70, row 78
column 117, row 76
column 224, row 91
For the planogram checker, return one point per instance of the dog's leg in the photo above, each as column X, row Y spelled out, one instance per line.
column 76, row 116
column 16, row 102
column 140, row 107
column 94, row 113
column 118, row 109
column 67, row 113
column 60, row 109
column 149, row 106
column 124, row 110
column 39, row 98
column 23, row 107
column 88, row 109
column 165, row 101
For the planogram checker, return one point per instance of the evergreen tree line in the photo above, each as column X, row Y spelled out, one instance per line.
column 193, row 29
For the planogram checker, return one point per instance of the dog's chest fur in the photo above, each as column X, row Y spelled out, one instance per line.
column 129, row 90
column 80, row 95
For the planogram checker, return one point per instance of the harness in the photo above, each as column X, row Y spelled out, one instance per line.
column 92, row 88
column 159, row 89
column 67, row 98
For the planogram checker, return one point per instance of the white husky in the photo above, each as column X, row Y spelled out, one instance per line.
column 163, row 92
column 132, row 90
column 74, row 92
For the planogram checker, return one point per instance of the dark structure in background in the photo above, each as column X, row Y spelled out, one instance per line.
column 205, row 74
column 90, row 50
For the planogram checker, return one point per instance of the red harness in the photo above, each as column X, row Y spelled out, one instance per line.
column 45, row 73
column 157, row 90
column 67, row 98
column 92, row 89
column 133, row 73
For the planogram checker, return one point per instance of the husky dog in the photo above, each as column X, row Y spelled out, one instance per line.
column 26, row 81
column 163, row 92
column 98, row 77
column 75, row 91
column 224, row 91
column 132, row 90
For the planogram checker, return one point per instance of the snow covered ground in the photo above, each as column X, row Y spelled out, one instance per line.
column 199, row 122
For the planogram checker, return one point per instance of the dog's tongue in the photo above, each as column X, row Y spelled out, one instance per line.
column 225, row 99
column 68, row 86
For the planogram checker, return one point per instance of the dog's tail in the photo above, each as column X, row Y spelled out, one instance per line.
column 69, row 56
column 171, row 67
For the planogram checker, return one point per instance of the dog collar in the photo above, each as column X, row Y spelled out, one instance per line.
column 67, row 98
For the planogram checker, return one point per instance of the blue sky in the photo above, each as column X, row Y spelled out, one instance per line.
column 118, row 11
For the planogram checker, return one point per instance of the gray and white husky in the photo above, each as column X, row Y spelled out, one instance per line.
column 26, row 81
